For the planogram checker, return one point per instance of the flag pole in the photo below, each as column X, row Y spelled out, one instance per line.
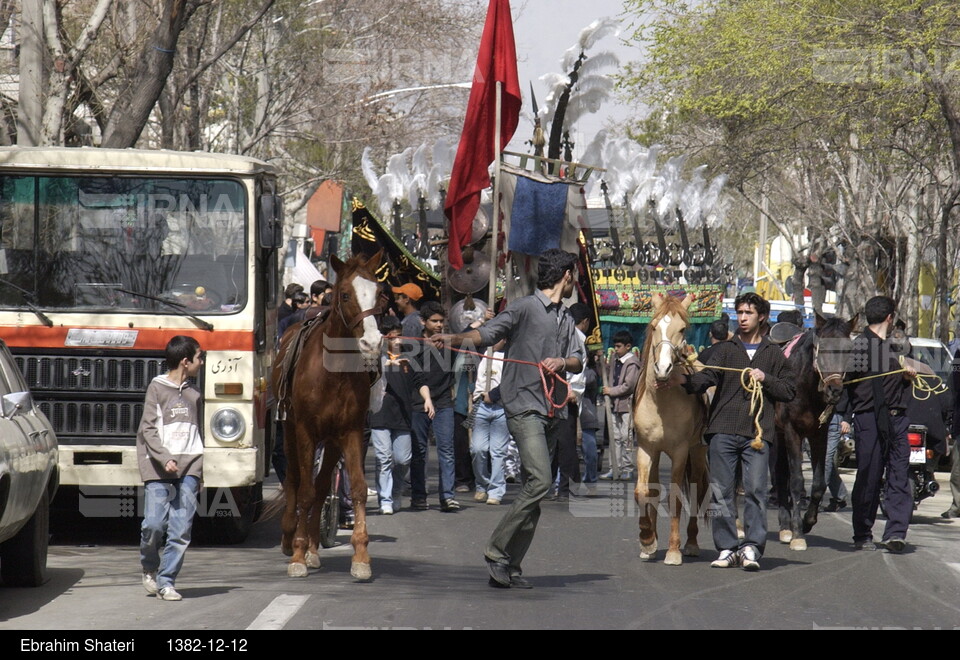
column 495, row 224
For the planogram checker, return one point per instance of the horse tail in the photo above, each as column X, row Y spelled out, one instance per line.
column 274, row 506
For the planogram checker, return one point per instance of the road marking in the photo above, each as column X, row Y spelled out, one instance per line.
column 955, row 567
column 277, row 613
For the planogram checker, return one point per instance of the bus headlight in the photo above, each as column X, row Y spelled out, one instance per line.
column 227, row 425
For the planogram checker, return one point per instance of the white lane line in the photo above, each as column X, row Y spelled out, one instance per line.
column 277, row 613
column 955, row 567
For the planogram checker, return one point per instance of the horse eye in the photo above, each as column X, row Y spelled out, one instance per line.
column 344, row 297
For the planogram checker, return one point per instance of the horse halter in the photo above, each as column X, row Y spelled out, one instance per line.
column 824, row 380
column 376, row 310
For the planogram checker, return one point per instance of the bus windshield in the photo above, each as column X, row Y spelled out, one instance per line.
column 130, row 244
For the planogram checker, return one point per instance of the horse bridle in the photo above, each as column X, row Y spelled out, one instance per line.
column 824, row 380
column 376, row 310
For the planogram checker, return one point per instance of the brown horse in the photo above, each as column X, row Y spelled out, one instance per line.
column 322, row 378
column 819, row 361
column 668, row 421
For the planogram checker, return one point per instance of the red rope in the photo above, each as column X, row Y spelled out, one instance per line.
column 548, row 388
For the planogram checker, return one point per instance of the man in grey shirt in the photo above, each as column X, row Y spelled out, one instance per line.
column 539, row 330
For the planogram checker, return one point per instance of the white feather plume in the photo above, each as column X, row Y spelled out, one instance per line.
column 366, row 165
column 398, row 166
column 668, row 201
column 433, row 187
column 712, row 194
column 419, row 161
column 597, row 30
column 443, row 155
column 386, row 191
column 716, row 217
column 691, row 198
column 602, row 60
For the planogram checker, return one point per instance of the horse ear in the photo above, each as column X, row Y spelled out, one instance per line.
column 687, row 301
column 336, row 263
column 373, row 263
column 819, row 320
column 657, row 301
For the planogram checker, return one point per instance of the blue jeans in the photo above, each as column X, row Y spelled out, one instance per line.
column 831, row 474
column 588, row 441
column 489, row 443
column 442, row 424
column 393, row 451
column 168, row 509
column 726, row 452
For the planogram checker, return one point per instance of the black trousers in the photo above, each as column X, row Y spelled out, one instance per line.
column 897, row 495
column 565, row 459
column 462, row 462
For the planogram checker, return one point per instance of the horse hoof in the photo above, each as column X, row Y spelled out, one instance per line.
column 296, row 570
column 673, row 558
column 286, row 547
column 798, row 544
column 648, row 548
column 786, row 536
column 313, row 560
column 691, row 550
column 646, row 556
column 360, row 571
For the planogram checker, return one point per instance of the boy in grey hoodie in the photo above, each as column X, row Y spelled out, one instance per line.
column 170, row 457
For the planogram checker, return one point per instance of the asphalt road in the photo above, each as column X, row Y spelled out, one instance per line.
column 429, row 574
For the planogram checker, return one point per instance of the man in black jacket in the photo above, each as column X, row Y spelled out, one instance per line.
column 731, row 432
column 880, row 426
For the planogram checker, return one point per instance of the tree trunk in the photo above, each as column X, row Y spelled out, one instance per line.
column 135, row 103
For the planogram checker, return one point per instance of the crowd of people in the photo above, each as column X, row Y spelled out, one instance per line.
column 485, row 413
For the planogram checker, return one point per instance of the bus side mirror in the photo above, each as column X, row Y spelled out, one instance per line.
column 270, row 229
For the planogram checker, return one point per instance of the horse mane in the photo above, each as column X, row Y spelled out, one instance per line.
column 671, row 305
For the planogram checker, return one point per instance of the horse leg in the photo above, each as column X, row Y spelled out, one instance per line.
column 647, row 495
column 782, row 470
column 324, row 479
column 306, row 495
column 818, row 456
column 678, row 469
column 360, row 567
column 698, row 495
column 288, row 524
column 797, row 490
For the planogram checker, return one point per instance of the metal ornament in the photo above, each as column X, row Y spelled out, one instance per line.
column 474, row 275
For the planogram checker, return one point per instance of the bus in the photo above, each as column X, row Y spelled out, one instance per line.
column 106, row 254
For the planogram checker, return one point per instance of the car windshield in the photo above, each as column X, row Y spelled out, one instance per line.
column 121, row 243
column 937, row 358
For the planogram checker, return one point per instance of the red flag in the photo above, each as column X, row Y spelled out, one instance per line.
column 496, row 62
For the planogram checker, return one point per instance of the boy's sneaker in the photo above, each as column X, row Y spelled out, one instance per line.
column 386, row 510
column 727, row 559
column 750, row 559
column 150, row 582
column 169, row 593
column 450, row 505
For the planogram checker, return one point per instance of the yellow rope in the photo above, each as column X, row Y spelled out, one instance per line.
column 923, row 384
column 755, row 388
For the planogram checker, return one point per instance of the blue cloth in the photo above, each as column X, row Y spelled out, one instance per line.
column 168, row 509
column 488, row 447
column 537, row 216
column 394, row 451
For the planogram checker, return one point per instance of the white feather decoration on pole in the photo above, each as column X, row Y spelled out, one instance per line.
column 712, row 194
column 667, row 202
column 369, row 173
column 386, row 191
column 397, row 165
column 691, row 199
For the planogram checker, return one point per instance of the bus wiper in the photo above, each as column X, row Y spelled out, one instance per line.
column 177, row 307
column 27, row 295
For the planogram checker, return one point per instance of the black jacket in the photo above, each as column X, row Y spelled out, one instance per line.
column 872, row 355
column 730, row 410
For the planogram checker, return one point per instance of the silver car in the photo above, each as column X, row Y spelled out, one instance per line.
column 28, row 479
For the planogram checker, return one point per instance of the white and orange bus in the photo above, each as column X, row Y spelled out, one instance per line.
column 107, row 254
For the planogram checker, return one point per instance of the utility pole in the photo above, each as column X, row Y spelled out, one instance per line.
column 30, row 111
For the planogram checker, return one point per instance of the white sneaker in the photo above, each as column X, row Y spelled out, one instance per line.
column 169, row 593
column 386, row 510
column 150, row 582
column 727, row 559
column 750, row 559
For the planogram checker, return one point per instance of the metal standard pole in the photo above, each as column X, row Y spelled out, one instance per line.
column 496, row 203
